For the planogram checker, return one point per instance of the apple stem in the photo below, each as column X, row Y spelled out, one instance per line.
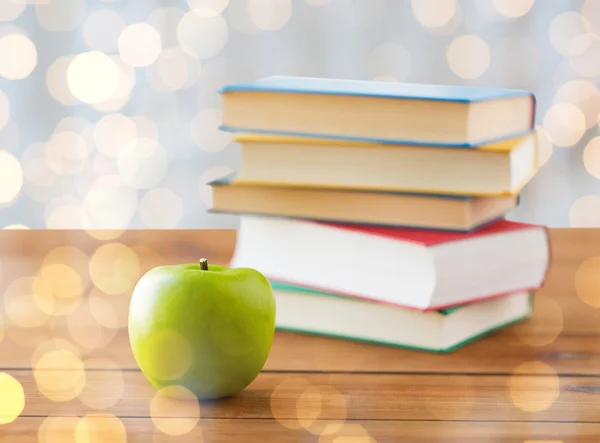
column 203, row 264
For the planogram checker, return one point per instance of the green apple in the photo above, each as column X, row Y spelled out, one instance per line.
column 206, row 328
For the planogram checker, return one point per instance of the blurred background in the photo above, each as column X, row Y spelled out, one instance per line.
column 109, row 110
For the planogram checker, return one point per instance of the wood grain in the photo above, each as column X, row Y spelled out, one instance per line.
column 500, row 353
column 258, row 431
column 286, row 397
column 377, row 393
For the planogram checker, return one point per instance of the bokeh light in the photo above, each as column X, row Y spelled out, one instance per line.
column 389, row 60
column 10, row 136
column 175, row 358
column 591, row 157
column 27, row 306
column 28, row 337
column 174, row 410
column 161, row 208
column 56, row 81
column 16, row 226
column 60, row 16
column 58, row 430
column 114, row 268
column 64, row 212
column 4, row 110
column 565, row 124
column 59, row 375
column 146, row 128
column 308, row 407
column 12, row 398
column 451, row 400
column 103, row 165
column 64, row 272
column 18, row 56
column 206, row 177
column 11, row 178
column 113, row 133
column 205, row 131
column 208, row 8
column 469, row 56
column 143, row 164
column 321, row 410
column 66, row 152
column 139, row 45
column 432, row 13
column 586, row 63
column 174, row 70
column 123, row 93
column 591, row 11
column 107, row 392
column 513, row 8
column 77, row 124
column 102, row 28
column 51, row 345
column 587, row 281
column 534, row 386
column 568, row 33
column 269, row 15
column 100, row 428
column 11, row 10
column 584, row 95
column 545, row 147
column 287, row 393
column 109, row 204
column 585, row 212
column 93, row 77
column 545, row 325
column 149, row 258
column 39, row 179
column 202, row 37
column 349, row 433
column 111, row 311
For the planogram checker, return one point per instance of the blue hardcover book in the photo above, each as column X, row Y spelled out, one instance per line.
column 360, row 207
column 382, row 112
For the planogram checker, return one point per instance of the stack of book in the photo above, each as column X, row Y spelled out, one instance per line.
column 377, row 210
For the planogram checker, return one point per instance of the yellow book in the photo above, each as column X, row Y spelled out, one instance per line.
column 493, row 170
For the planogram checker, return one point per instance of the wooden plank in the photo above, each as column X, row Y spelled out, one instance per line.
column 536, row 397
column 497, row 354
column 22, row 254
column 563, row 331
column 25, row 430
column 185, row 243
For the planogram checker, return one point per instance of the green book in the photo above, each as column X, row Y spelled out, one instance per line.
column 308, row 311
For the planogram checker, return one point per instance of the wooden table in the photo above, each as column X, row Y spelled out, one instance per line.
column 67, row 348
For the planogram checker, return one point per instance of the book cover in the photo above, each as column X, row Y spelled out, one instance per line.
column 230, row 180
column 283, row 287
column 366, row 88
column 432, row 237
column 378, row 90
column 501, row 146
column 431, row 241
column 280, row 286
